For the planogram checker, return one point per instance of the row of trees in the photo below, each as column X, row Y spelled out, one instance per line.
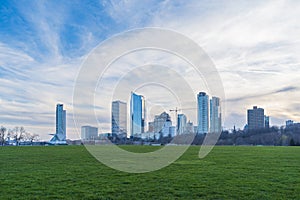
column 278, row 136
column 16, row 135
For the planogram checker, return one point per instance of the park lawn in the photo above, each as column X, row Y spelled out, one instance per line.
column 228, row 172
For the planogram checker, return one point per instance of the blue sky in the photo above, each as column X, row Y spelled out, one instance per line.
column 254, row 45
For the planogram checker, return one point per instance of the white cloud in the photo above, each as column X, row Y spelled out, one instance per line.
column 254, row 45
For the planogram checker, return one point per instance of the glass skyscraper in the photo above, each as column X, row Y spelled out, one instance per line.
column 215, row 115
column 61, row 122
column 181, row 124
column 119, row 119
column 202, row 112
column 137, row 115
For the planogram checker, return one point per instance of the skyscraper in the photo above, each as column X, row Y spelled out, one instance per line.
column 61, row 122
column 60, row 135
column 255, row 118
column 137, row 115
column 181, row 124
column 215, row 115
column 119, row 119
column 202, row 112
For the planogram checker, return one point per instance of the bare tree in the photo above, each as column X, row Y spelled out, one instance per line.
column 2, row 135
column 18, row 134
column 31, row 137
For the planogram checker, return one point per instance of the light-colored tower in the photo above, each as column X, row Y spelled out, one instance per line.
column 215, row 115
column 60, row 122
column 181, row 124
column 119, row 119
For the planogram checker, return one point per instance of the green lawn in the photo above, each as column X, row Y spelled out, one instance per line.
column 70, row 172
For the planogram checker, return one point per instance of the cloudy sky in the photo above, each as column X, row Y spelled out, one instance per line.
column 255, row 45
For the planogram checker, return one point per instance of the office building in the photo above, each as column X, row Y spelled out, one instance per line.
column 160, row 120
column 189, row 127
column 215, row 115
column 172, row 131
column 202, row 112
column 162, row 124
column 289, row 122
column 255, row 118
column 119, row 119
column 137, row 115
column 181, row 124
column 89, row 133
column 267, row 121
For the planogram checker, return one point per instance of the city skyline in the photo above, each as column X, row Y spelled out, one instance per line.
column 254, row 45
column 208, row 117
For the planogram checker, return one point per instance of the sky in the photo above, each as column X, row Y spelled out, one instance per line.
column 255, row 46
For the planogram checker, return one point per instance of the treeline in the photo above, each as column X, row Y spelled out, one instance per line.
column 16, row 136
column 273, row 136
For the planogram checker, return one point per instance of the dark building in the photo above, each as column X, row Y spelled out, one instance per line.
column 256, row 118
column 267, row 121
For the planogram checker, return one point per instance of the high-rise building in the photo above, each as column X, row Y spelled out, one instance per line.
column 202, row 112
column 89, row 133
column 119, row 119
column 215, row 115
column 181, row 124
column 267, row 121
column 159, row 121
column 137, row 115
column 60, row 135
column 161, row 126
column 172, row 131
column 289, row 122
column 256, row 118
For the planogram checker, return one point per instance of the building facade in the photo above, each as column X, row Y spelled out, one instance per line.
column 137, row 115
column 189, row 127
column 61, row 130
column 89, row 133
column 181, row 124
column 119, row 119
column 267, row 121
column 215, row 115
column 255, row 118
column 202, row 112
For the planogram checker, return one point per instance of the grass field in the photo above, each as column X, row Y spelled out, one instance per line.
column 70, row 172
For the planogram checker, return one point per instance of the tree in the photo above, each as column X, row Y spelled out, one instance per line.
column 2, row 135
column 18, row 134
column 292, row 142
column 32, row 137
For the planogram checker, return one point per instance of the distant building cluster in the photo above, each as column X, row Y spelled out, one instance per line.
column 209, row 120
column 208, row 110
